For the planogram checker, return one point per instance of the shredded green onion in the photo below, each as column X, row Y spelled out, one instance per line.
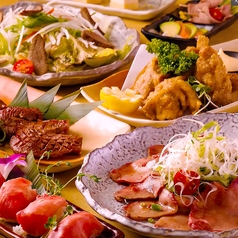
column 205, row 151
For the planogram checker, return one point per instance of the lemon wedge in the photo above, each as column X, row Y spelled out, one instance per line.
column 124, row 102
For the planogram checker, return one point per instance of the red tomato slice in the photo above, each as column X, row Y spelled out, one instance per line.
column 216, row 14
column 190, row 181
column 24, row 66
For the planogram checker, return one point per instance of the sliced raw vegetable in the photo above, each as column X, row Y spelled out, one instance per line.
column 192, row 27
column 181, row 29
column 8, row 163
column 170, row 28
column 186, row 182
column 216, row 13
column 24, row 66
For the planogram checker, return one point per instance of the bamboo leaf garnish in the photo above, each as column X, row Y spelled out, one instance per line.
column 78, row 111
column 58, row 107
column 45, row 100
column 21, row 98
column 33, row 174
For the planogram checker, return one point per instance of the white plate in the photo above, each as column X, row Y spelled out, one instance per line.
column 155, row 7
column 95, row 128
column 120, row 36
column 130, row 147
column 124, row 79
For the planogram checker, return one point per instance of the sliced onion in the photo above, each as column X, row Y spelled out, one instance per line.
column 7, row 164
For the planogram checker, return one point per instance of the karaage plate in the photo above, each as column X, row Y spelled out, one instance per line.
column 124, row 79
column 95, row 128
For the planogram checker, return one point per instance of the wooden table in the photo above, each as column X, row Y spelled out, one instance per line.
column 70, row 192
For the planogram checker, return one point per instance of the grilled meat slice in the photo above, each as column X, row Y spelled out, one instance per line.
column 97, row 39
column 86, row 15
column 12, row 125
column 26, row 140
column 29, row 114
column 37, row 55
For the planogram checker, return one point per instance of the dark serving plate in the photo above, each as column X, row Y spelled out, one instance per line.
column 153, row 30
column 109, row 231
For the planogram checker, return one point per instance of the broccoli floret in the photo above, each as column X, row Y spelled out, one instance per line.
column 170, row 58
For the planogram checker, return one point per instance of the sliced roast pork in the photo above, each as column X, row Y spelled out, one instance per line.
column 147, row 189
column 133, row 172
column 217, row 210
column 143, row 210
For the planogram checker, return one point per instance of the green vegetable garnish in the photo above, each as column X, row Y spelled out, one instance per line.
column 39, row 20
column 156, row 207
column 60, row 109
column 170, row 58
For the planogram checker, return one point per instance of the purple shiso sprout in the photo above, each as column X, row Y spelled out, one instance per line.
column 8, row 163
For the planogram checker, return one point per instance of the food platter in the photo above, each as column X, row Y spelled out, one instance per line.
column 125, row 79
column 102, row 127
column 112, row 25
column 109, row 231
column 153, row 29
column 145, row 13
column 134, row 145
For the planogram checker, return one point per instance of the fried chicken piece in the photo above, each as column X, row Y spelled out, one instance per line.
column 234, row 81
column 148, row 78
column 211, row 71
column 171, row 99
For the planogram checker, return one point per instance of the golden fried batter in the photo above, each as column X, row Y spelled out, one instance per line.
column 148, row 78
column 171, row 99
column 211, row 71
column 234, row 81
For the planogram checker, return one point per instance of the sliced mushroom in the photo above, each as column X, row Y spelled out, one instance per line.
column 37, row 55
column 97, row 39
column 86, row 15
column 31, row 11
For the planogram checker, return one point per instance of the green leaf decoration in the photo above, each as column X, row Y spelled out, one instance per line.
column 78, row 111
column 32, row 173
column 21, row 98
column 45, row 100
column 58, row 107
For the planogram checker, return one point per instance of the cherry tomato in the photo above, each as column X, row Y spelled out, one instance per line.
column 189, row 179
column 24, row 66
column 216, row 14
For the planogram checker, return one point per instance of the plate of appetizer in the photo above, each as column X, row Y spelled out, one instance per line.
column 31, row 204
column 175, row 181
column 67, row 137
column 186, row 23
column 48, row 44
column 138, row 10
column 145, row 89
